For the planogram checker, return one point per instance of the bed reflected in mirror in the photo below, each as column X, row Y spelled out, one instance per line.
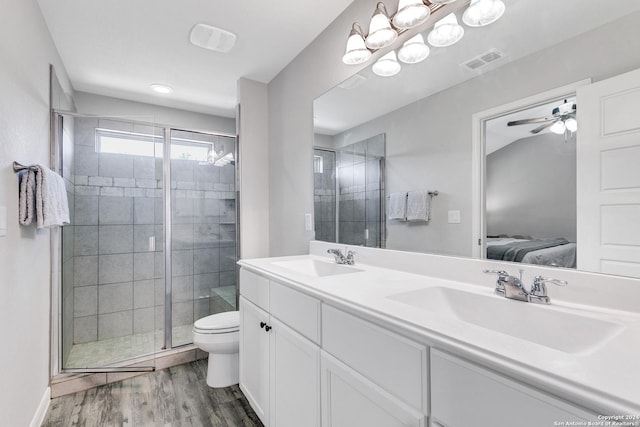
column 530, row 185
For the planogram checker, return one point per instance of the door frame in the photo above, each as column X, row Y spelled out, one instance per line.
column 478, row 163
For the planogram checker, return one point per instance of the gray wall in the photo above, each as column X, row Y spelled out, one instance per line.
column 531, row 188
column 429, row 147
column 26, row 50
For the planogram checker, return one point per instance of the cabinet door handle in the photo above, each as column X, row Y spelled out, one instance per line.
column 262, row 324
column 268, row 328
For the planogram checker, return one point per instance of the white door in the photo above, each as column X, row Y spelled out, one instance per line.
column 295, row 378
column 608, row 176
column 254, row 358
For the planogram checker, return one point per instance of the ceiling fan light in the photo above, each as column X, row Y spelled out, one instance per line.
column 380, row 32
column 356, row 52
column 558, row 127
column 446, row 32
column 483, row 12
column 387, row 65
column 571, row 124
column 410, row 13
column 414, row 50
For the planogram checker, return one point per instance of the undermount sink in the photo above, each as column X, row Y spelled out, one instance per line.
column 316, row 268
column 547, row 326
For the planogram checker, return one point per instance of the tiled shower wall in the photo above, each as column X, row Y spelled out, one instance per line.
column 117, row 274
column 324, row 195
column 359, row 176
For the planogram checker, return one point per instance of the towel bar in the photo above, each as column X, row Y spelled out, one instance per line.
column 17, row 167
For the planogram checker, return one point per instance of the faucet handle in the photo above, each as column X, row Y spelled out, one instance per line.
column 539, row 283
column 501, row 273
column 538, row 292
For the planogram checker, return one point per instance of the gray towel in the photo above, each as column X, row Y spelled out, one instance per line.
column 43, row 195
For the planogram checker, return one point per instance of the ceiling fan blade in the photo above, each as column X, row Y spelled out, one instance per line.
column 529, row 121
column 543, row 127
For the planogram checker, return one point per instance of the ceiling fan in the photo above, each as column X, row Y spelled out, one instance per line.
column 563, row 118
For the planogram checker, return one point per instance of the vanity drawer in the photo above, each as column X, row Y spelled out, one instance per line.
column 391, row 361
column 255, row 288
column 299, row 311
column 464, row 394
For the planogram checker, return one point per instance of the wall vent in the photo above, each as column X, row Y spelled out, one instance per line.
column 483, row 59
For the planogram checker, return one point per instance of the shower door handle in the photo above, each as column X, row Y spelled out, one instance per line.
column 152, row 243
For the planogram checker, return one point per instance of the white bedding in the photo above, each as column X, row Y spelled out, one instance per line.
column 557, row 256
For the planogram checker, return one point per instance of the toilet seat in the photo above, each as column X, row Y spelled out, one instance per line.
column 220, row 323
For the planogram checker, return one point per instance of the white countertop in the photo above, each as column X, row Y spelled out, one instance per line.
column 604, row 379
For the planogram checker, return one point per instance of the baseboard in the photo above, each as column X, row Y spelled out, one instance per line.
column 38, row 417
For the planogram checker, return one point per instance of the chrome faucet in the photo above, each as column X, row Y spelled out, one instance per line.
column 538, row 292
column 340, row 258
column 511, row 287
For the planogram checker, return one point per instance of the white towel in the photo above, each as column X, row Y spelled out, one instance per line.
column 418, row 206
column 43, row 195
column 398, row 206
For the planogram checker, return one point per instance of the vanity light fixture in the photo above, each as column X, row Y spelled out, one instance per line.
column 164, row 89
column 410, row 13
column 483, row 12
column 380, row 32
column 387, row 65
column 414, row 50
column 446, row 32
column 356, row 52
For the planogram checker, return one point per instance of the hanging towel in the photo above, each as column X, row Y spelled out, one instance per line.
column 418, row 206
column 398, row 206
column 26, row 198
column 43, row 196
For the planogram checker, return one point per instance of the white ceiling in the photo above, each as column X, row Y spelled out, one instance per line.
column 526, row 27
column 120, row 47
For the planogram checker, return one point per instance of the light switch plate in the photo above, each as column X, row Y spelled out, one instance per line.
column 3, row 221
column 454, row 217
column 308, row 222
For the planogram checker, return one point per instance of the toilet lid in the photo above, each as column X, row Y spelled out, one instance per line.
column 219, row 323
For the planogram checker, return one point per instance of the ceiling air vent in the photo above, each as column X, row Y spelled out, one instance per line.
column 483, row 59
column 352, row 82
column 212, row 38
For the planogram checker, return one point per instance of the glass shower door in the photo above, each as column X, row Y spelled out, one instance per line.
column 203, row 229
column 111, row 310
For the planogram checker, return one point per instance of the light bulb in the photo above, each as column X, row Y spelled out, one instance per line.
column 356, row 52
column 483, row 12
column 410, row 13
column 380, row 32
column 387, row 65
column 571, row 124
column 446, row 32
column 558, row 127
column 414, row 50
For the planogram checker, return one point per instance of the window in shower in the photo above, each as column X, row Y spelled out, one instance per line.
column 114, row 286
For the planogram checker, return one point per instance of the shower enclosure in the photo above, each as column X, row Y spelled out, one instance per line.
column 349, row 193
column 152, row 241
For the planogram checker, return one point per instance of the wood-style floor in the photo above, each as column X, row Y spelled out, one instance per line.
column 173, row 397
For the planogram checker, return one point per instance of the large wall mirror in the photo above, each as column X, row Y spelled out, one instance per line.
column 525, row 185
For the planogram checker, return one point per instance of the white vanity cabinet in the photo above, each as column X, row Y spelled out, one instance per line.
column 464, row 394
column 370, row 376
column 279, row 358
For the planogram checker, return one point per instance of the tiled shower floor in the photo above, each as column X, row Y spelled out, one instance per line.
column 116, row 350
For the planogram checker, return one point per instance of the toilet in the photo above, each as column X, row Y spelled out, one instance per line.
column 218, row 335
